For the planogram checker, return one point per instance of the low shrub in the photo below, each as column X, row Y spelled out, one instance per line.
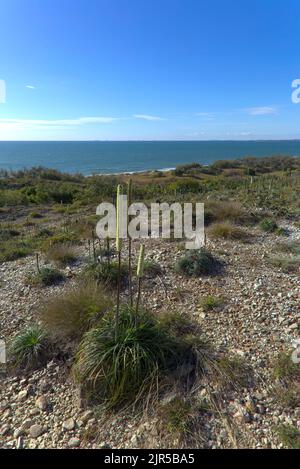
column 70, row 314
column 61, row 254
column 211, row 302
column 152, row 268
column 46, row 276
column 268, row 225
column 107, row 273
column 228, row 231
column 29, row 349
column 197, row 262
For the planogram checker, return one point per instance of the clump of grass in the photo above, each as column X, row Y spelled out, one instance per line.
column 289, row 247
column 287, row 374
column 46, row 276
column 232, row 371
column 152, row 268
column 289, row 436
column 284, row 368
column 228, row 231
column 177, row 415
column 124, row 366
column 268, row 225
column 107, row 273
column 197, row 262
column 288, row 394
column 234, row 212
column 286, row 256
column 210, row 303
column 29, row 349
column 70, row 314
column 61, row 254
column 287, row 264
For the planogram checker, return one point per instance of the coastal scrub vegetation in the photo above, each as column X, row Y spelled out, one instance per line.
column 121, row 351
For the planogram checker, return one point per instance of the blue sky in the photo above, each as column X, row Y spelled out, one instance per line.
column 149, row 69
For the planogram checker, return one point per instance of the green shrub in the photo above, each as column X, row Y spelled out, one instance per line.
column 211, row 302
column 122, row 366
column 71, row 313
column 107, row 273
column 281, row 231
column 268, row 225
column 61, row 254
column 289, row 436
column 197, row 262
column 227, row 231
column 29, row 349
column 47, row 276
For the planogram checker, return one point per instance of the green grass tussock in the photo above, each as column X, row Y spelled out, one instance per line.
column 29, row 349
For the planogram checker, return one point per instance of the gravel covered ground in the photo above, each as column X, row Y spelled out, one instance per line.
column 259, row 317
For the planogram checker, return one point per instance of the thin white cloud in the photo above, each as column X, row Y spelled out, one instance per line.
column 262, row 111
column 58, row 122
column 146, row 117
column 30, row 87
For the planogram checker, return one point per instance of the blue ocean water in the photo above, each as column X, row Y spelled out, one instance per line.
column 117, row 157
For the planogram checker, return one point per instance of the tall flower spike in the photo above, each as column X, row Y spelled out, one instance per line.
column 140, row 267
column 118, row 239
